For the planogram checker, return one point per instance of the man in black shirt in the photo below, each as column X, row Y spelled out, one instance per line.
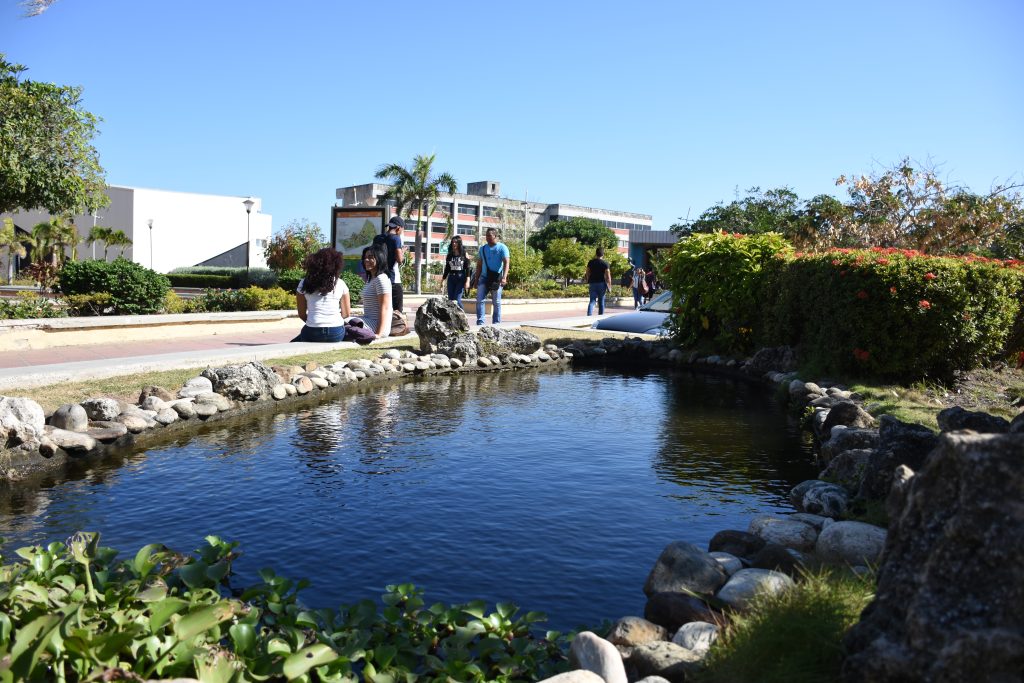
column 599, row 277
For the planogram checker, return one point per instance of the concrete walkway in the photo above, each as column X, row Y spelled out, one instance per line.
column 25, row 369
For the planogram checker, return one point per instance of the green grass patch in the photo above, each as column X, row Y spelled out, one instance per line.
column 792, row 638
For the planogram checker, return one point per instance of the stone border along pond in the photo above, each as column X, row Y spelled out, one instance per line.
column 864, row 460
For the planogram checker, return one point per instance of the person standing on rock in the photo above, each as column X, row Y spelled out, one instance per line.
column 599, row 278
column 322, row 298
column 491, row 276
column 456, row 271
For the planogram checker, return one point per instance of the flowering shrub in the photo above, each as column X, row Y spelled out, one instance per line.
column 894, row 313
column 717, row 287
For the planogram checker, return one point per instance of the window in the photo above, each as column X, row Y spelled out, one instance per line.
column 438, row 228
column 465, row 229
column 469, row 210
column 492, row 210
column 445, row 208
column 435, row 248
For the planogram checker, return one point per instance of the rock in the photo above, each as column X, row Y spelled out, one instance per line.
column 195, row 386
column 653, row 679
column 279, row 392
column 72, row 442
column 483, row 361
column 438, row 320
column 898, row 444
column 250, row 381
column 664, row 659
column 311, row 366
column 848, row 440
column 104, row 409
column 633, row 631
column 302, row 384
column 847, row 413
column 791, row 533
column 222, row 403
column 134, row 423
column 456, row 363
column 501, row 341
column 897, row 497
column 1017, row 424
column 153, row 403
column 745, row 584
column 779, row 359
column 21, row 421
column 820, row 498
column 778, row 558
column 47, row 448
column 851, row 543
column 730, row 563
column 847, row 469
column 948, row 602
column 738, row 543
column 461, row 347
column 205, row 410
column 672, row 610
column 697, row 636
column 166, row 416
column 70, row 417
column 106, row 431
column 956, row 418
column 817, row 521
column 592, row 653
column 184, row 409
column 683, row 566
column 319, row 382
column 577, row 676
column 153, row 390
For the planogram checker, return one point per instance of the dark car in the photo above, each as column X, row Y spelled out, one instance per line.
column 650, row 319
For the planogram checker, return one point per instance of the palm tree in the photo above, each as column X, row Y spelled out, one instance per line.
column 11, row 243
column 417, row 186
column 42, row 242
column 103, row 234
column 117, row 239
column 66, row 235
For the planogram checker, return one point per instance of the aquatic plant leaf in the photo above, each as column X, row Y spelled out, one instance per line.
column 203, row 619
column 162, row 611
column 305, row 659
column 243, row 636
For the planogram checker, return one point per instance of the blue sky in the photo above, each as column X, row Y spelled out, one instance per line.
column 654, row 107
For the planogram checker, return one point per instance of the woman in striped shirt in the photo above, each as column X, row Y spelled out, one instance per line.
column 377, row 292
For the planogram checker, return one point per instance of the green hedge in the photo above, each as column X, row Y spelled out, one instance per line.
column 133, row 289
column 200, row 280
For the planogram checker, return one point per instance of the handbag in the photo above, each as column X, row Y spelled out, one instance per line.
column 493, row 281
column 357, row 331
column 399, row 324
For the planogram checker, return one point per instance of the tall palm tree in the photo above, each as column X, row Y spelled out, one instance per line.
column 66, row 235
column 118, row 239
column 417, row 187
column 100, row 233
column 11, row 243
column 42, row 242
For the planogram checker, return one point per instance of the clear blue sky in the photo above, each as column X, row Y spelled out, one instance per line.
column 652, row 107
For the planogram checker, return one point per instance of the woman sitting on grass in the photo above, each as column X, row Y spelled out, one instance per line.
column 322, row 298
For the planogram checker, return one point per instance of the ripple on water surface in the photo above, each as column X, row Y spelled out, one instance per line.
column 553, row 490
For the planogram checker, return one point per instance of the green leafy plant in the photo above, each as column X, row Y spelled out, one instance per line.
column 29, row 305
column 133, row 289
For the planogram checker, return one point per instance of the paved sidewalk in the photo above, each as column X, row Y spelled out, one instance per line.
column 40, row 367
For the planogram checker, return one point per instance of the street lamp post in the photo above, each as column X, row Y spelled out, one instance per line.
column 526, row 223
column 248, row 247
column 150, row 224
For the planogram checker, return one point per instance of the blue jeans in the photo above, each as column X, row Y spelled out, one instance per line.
column 481, row 307
column 320, row 334
column 456, row 286
column 637, row 299
column 597, row 292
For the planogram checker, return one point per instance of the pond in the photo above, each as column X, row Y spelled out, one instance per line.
column 554, row 490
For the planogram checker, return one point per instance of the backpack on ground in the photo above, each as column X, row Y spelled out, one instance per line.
column 382, row 239
column 399, row 324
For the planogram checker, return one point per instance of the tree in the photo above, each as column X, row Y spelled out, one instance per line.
column 582, row 230
column 100, row 233
column 566, row 259
column 288, row 248
column 12, row 244
column 769, row 211
column 524, row 263
column 417, row 187
column 118, row 239
column 47, row 160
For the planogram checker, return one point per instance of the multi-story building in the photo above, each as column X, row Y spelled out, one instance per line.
column 483, row 206
column 170, row 229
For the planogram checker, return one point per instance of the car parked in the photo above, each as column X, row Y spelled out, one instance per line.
column 648, row 319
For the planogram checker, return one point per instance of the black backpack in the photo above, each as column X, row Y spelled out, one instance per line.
column 382, row 239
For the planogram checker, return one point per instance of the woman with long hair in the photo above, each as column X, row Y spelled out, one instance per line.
column 457, row 267
column 322, row 298
column 377, row 292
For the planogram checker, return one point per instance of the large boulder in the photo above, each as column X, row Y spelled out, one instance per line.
column 501, row 341
column 71, row 417
column 847, row 440
column 848, row 414
column 250, row 381
column 21, row 421
column 633, row 631
column 949, row 595
column 956, row 418
column 851, row 543
column 778, row 359
column 820, row 498
column 738, row 543
column 847, row 469
column 593, row 653
column 683, row 567
column 791, row 533
column 899, row 443
column 666, row 659
column 672, row 610
column 746, row 584
column 437, row 320
column 463, row 347
column 103, row 409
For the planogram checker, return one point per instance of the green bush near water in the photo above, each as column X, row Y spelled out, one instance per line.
column 133, row 289
column 72, row 612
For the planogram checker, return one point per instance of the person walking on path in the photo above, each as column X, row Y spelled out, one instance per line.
column 639, row 285
column 392, row 242
column 456, row 270
column 322, row 298
column 599, row 278
column 652, row 283
column 491, row 276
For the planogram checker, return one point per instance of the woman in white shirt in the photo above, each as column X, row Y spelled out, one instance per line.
column 322, row 298
column 377, row 292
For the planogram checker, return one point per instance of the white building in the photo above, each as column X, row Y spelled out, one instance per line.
column 171, row 229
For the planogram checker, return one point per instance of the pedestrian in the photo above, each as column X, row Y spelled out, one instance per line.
column 639, row 285
column 652, row 283
column 456, row 270
column 322, row 298
column 492, row 263
column 391, row 240
column 599, row 277
column 377, row 292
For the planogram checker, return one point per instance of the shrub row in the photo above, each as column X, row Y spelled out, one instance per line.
column 887, row 313
column 133, row 289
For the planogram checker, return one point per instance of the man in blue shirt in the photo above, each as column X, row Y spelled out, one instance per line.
column 491, row 276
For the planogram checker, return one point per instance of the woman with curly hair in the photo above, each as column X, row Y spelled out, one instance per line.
column 322, row 298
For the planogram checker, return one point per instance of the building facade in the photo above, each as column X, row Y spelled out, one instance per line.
column 170, row 229
column 482, row 206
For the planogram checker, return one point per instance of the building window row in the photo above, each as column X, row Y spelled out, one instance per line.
column 618, row 225
column 469, row 210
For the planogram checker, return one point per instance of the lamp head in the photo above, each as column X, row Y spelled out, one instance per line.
column 248, row 205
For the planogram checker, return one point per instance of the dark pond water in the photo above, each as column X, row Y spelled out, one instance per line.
column 553, row 490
